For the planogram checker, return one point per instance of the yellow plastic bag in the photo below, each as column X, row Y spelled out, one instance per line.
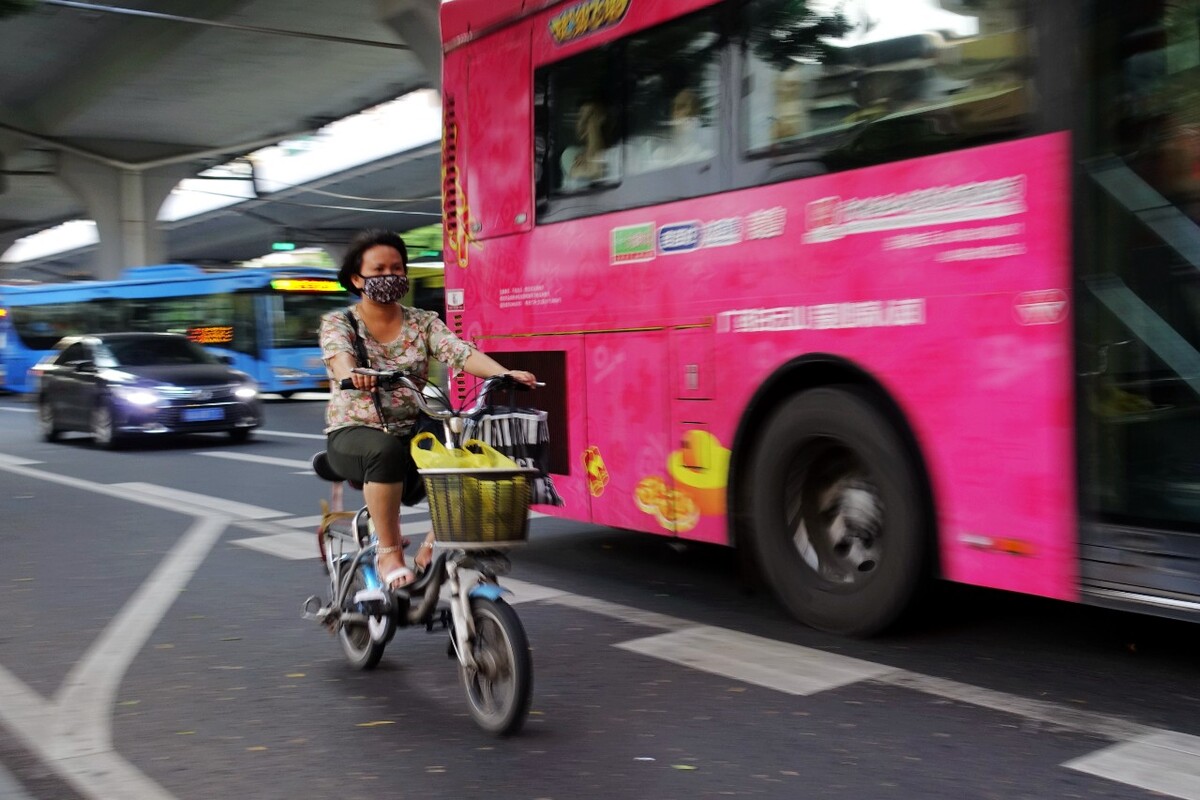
column 429, row 453
column 488, row 456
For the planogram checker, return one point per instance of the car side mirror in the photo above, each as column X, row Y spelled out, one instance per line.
column 226, row 359
column 86, row 365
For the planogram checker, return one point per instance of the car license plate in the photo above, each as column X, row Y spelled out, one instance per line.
column 202, row 414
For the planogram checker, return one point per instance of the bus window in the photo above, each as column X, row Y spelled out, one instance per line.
column 296, row 318
column 584, row 121
column 1140, row 315
column 880, row 81
column 673, row 92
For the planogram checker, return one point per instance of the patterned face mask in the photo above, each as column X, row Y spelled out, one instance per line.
column 385, row 288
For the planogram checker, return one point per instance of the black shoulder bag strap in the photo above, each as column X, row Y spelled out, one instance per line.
column 360, row 354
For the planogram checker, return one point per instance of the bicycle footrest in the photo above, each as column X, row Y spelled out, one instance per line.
column 313, row 609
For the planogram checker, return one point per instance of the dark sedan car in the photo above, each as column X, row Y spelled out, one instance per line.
column 118, row 385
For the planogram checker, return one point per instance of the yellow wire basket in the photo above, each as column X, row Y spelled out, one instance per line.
column 479, row 508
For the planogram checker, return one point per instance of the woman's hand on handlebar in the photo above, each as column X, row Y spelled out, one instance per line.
column 361, row 381
column 365, row 380
column 521, row 376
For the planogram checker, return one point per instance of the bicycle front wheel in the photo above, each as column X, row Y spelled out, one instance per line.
column 361, row 650
column 500, row 685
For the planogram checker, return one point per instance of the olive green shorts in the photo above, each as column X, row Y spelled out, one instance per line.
column 369, row 455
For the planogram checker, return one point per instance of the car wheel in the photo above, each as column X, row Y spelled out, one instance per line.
column 47, row 422
column 104, row 429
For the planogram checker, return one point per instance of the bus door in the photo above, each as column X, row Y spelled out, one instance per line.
column 1139, row 315
column 698, row 463
column 626, row 449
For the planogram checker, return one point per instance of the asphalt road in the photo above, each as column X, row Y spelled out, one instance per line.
column 153, row 649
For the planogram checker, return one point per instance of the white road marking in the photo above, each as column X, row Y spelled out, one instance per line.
column 293, row 463
column 1166, row 762
column 406, row 512
column 1053, row 715
column 10, row 789
column 19, row 410
column 1151, row 758
column 201, row 503
column 291, row 546
column 523, row 592
column 17, row 461
column 84, row 703
column 753, row 659
column 72, row 734
column 288, row 434
column 295, row 546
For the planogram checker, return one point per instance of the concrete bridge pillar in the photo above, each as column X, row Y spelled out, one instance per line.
column 416, row 23
column 124, row 203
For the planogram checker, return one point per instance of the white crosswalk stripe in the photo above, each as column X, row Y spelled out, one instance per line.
column 753, row 659
column 1167, row 762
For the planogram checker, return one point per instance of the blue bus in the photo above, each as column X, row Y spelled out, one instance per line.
column 266, row 319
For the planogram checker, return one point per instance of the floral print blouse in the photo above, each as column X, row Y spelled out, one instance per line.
column 422, row 336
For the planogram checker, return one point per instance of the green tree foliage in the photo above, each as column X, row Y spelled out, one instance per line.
column 424, row 239
column 10, row 8
column 785, row 31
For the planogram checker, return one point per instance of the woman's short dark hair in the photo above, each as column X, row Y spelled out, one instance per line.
column 361, row 243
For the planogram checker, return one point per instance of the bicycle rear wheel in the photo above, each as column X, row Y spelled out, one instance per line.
column 500, row 686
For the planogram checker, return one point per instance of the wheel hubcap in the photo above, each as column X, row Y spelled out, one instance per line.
column 102, row 425
column 835, row 515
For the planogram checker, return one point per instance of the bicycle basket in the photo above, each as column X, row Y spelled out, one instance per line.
column 479, row 508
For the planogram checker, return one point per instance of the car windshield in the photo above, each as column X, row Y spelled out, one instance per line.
column 157, row 350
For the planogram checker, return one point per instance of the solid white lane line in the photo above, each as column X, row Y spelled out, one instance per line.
column 1165, row 762
column 753, row 659
column 10, row 789
column 19, row 410
column 201, row 503
column 288, row 434
column 16, row 461
column 292, row 463
column 85, row 700
column 1054, row 715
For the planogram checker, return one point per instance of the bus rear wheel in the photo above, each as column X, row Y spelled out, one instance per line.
column 837, row 519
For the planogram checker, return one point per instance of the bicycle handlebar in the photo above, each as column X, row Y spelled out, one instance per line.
column 394, row 380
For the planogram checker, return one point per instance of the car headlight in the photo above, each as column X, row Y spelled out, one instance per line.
column 136, row 396
column 289, row 374
column 245, row 392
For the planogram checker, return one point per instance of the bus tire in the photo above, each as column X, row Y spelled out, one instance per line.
column 837, row 515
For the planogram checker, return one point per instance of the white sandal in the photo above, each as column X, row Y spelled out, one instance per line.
column 400, row 573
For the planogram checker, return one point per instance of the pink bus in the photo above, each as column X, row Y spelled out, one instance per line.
column 873, row 290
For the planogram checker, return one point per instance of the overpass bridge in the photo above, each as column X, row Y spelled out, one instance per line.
column 105, row 107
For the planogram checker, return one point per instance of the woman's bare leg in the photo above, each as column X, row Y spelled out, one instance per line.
column 383, row 502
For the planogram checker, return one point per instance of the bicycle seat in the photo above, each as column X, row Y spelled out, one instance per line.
column 321, row 466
